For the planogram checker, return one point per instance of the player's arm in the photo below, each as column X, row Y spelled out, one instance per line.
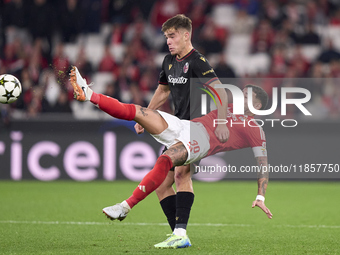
column 161, row 95
column 158, row 99
column 221, row 131
column 262, row 182
column 207, row 74
column 163, row 91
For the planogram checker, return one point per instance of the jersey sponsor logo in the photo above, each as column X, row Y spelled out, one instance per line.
column 209, row 71
column 170, row 66
column 186, row 67
column 202, row 58
column 177, row 80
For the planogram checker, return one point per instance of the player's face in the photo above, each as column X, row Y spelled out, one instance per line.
column 256, row 102
column 175, row 40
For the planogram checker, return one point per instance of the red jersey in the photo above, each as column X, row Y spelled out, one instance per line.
column 244, row 132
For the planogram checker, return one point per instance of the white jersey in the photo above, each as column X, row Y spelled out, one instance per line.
column 191, row 134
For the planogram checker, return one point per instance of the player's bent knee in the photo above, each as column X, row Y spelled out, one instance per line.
column 177, row 153
column 181, row 175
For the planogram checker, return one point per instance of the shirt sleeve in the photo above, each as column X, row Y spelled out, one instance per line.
column 203, row 70
column 257, row 140
column 162, row 76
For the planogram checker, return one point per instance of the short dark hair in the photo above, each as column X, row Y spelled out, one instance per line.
column 176, row 22
column 261, row 95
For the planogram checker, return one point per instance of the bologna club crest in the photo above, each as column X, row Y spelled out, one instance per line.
column 186, row 67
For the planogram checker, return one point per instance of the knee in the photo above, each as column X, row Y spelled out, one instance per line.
column 178, row 176
column 181, row 175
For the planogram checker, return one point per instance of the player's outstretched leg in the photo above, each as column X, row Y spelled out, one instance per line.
column 151, row 120
column 149, row 183
column 176, row 155
column 112, row 106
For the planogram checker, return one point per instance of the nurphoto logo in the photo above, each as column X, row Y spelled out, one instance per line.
column 238, row 103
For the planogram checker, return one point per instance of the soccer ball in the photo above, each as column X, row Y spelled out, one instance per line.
column 10, row 88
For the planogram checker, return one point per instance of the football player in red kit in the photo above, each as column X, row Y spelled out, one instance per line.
column 178, row 136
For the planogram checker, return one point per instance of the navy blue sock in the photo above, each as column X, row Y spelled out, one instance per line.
column 168, row 205
column 184, row 201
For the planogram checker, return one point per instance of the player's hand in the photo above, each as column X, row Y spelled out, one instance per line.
column 139, row 129
column 264, row 208
column 222, row 133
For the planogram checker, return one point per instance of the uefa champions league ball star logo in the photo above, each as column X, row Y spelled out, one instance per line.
column 10, row 88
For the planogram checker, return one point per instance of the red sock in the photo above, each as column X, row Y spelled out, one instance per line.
column 114, row 107
column 151, row 181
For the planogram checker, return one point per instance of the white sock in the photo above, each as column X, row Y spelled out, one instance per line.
column 125, row 205
column 180, row 232
column 89, row 93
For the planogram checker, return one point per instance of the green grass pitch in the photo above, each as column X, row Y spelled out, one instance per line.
column 65, row 217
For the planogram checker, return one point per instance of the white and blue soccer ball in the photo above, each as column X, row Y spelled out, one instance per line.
column 10, row 88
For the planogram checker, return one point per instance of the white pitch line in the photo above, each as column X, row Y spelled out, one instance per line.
column 157, row 224
column 52, row 222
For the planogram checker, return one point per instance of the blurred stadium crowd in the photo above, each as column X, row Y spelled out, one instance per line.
column 118, row 45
